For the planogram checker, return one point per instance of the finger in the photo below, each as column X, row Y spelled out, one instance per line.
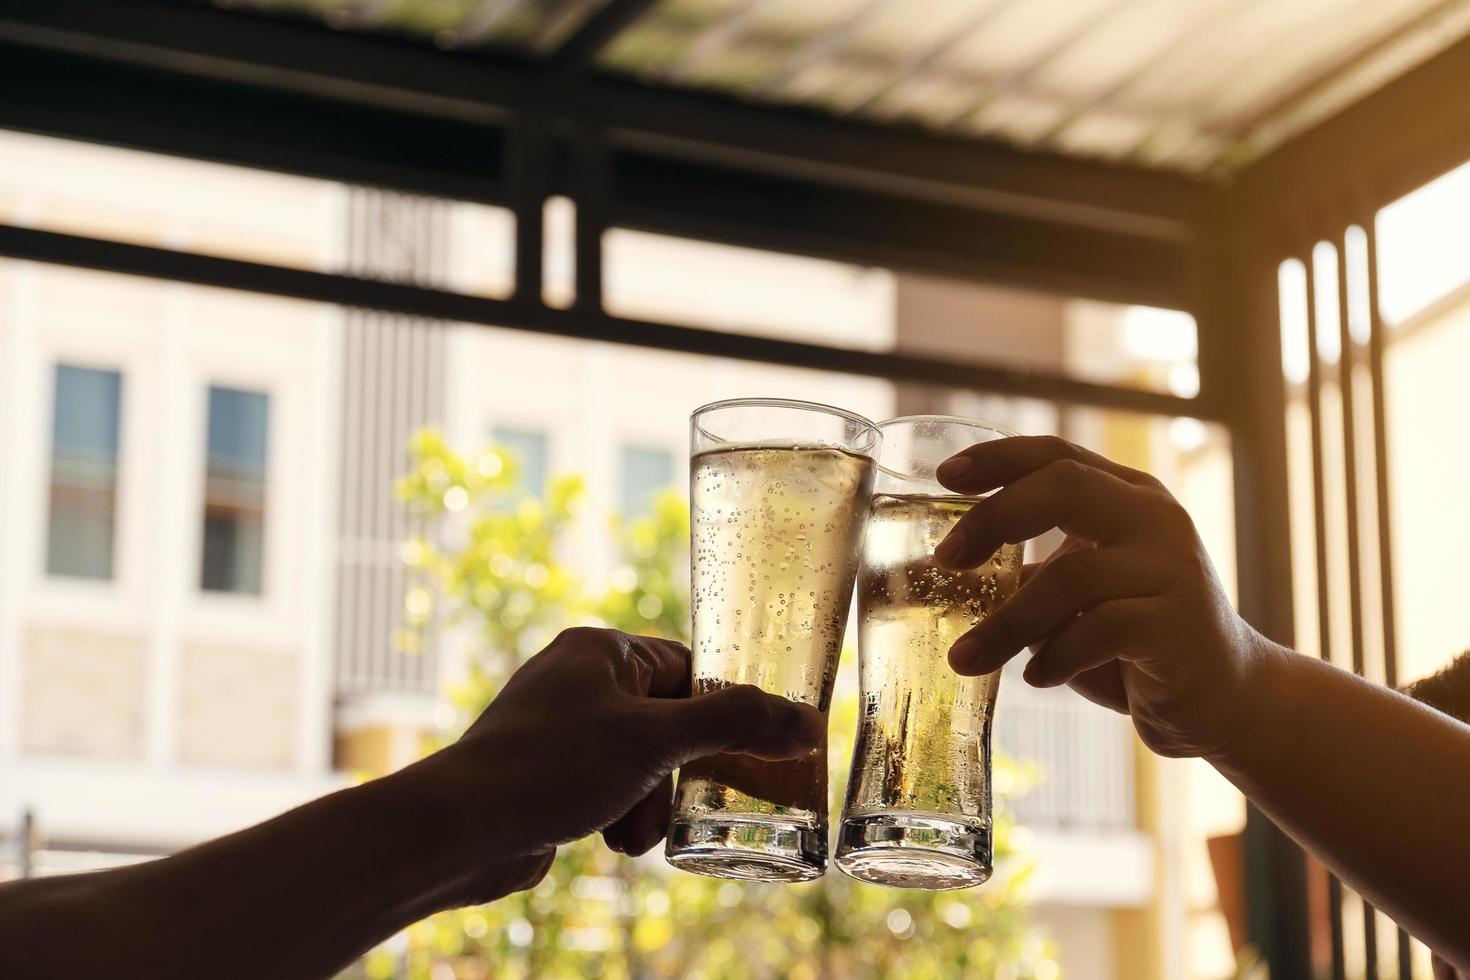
column 662, row 667
column 1100, row 636
column 1068, row 545
column 1057, row 593
column 799, row 782
column 535, row 870
column 1103, row 686
column 636, row 831
column 994, row 464
column 523, row 873
column 1081, row 500
column 740, row 718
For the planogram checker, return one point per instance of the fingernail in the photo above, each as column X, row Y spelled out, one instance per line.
column 949, row 549
column 953, row 468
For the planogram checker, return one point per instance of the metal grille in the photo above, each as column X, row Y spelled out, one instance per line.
column 1083, row 756
column 1353, row 573
column 392, row 384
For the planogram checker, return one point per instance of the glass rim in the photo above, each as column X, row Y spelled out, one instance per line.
column 958, row 420
column 872, row 427
column 965, row 420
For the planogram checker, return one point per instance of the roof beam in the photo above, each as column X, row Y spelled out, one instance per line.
column 436, row 304
column 315, row 63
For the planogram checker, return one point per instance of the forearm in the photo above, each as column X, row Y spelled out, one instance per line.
column 297, row 896
column 1372, row 783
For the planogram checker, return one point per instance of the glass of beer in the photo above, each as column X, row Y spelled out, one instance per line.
column 779, row 492
column 918, row 800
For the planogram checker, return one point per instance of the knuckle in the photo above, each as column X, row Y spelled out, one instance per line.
column 581, row 636
column 1059, row 447
column 1177, row 518
column 1070, row 470
column 750, row 701
column 1150, row 482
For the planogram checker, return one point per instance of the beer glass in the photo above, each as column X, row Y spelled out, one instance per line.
column 779, row 492
column 917, row 813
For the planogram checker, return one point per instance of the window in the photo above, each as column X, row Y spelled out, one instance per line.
column 528, row 449
column 646, row 474
column 84, row 448
column 234, row 491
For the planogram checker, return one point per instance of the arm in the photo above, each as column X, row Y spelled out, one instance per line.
column 1131, row 615
column 297, row 896
column 583, row 738
column 1372, row 783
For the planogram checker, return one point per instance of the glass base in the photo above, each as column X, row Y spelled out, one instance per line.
column 748, row 849
column 910, row 850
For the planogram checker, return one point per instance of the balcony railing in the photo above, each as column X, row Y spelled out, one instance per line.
column 1082, row 755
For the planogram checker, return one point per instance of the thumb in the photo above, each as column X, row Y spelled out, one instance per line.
column 741, row 718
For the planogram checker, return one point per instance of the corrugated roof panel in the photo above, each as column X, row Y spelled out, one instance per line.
column 1027, row 32
column 1192, row 85
column 1301, row 54
column 1128, row 37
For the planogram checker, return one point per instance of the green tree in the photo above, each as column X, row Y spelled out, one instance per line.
column 489, row 570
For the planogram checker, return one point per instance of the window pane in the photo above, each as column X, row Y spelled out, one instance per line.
column 528, row 449
column 234, row 490
column 84, row 444
column 646, row 474
column 1424, row 247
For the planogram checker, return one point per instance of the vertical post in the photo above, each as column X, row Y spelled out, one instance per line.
column 529, row 169
column 1240, row 370
column 1346, row 361
column 590, row 180
column 1368, row 222
column 1319, row 509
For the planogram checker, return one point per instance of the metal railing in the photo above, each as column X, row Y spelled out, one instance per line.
column 1081, row 754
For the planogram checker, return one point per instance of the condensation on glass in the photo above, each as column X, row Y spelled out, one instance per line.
column 779, row 492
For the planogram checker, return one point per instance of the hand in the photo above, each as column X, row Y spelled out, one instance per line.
column 1128, row 612
column 584, row 738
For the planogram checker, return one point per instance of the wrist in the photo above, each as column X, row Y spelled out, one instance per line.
column 1262, row 691
column 453, row 839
